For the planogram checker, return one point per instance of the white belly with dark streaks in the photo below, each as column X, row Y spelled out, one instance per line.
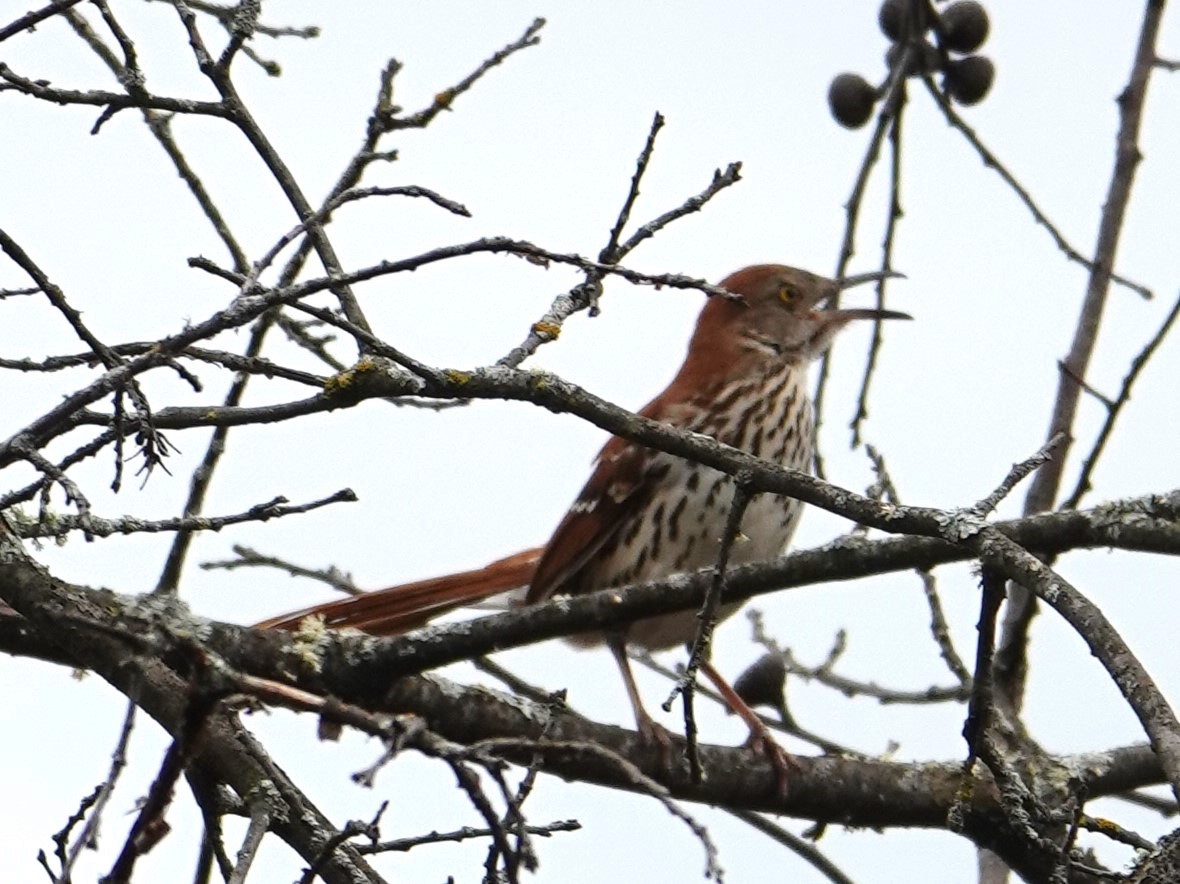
column 684, row 535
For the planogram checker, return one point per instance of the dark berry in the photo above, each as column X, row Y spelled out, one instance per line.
column 851, row 99
column 891, row 18
column 763, row 683
column 964, row 26
column 967, row 80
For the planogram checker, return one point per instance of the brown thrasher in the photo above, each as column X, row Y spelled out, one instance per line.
column 645, row 514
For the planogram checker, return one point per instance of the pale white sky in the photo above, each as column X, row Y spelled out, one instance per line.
column 543, row 149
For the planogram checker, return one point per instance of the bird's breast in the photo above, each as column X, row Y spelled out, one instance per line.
column 680, row 527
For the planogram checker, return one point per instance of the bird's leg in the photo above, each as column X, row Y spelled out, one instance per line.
column 760, row 739
column 650, row 731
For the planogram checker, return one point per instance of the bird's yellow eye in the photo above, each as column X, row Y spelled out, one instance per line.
column 787, row 294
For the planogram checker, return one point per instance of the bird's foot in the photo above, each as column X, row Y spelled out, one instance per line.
column 654, row 735
column 780, row 759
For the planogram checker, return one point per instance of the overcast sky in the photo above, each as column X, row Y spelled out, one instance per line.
column 543, row 149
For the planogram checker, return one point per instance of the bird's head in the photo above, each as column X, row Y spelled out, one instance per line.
column 783, row 311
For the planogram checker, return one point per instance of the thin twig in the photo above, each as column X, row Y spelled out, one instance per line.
column 824, row 673
column 467, row 832
column 89, row 834
column 894, row 95
column 225, row 15
column 707, row 620
column 1011, row 657
column 1114, row 832
column 1115, row 407
column 247, row 557
column 799, row 846
column 30, row 20
column 981, row 708
column 991, row 161
column 260, row 819
column 585, row 295
column 786, row 724
column 97, row 526
column 1017, row 474
column 640, row 781
column 891, row 227
column 941, row 632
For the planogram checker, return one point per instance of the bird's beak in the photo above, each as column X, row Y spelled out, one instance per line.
column 848, row 282
column 845, row 315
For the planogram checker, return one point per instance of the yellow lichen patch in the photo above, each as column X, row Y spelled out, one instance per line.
column 549, row 330
column 966, row 791
column 341, row 381
column 1101, row 824
column 308, row 642
column 338, row 382
column 457, row 377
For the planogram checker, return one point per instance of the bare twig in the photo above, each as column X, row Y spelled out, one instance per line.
column 891, row 225
column 154, row 447
column 981, row 709
column 463, row 834
column 1165, row 807
column 250, row 558
column 1115, row 407
column 30, row 19
column 63, row 836
column 225, row 15
column 89, row 833
column 707, row 620
column 940, row 631
column 585, row 295
column 111, row 101
column 640, row 781
column 495, row 244
column 824, row 674
column 381, row 122
column 324, row 214
column 240, row 116
column 1018, row 472
column 991, row 161
column 96, row 526
column 446, row 99
column 1011, row 664
column 894, row 96
column 1114, row 832
column 150, row 826
column 260, row 819
column 799, row 846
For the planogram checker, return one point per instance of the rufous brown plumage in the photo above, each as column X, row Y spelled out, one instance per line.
column 645, row 514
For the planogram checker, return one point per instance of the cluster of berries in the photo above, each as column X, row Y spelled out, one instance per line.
column 959, row 29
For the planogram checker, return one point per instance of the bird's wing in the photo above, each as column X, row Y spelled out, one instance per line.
column 623, row 476
column 611, row 494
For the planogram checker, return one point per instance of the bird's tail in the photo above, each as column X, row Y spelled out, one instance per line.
column 400, row 608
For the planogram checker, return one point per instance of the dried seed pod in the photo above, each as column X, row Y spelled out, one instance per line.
column 964, row 26
column 967, row 80
column 851, row 98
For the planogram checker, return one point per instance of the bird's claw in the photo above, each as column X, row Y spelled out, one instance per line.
column 783, row 762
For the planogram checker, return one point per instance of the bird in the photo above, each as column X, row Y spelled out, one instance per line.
column 645, row 514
